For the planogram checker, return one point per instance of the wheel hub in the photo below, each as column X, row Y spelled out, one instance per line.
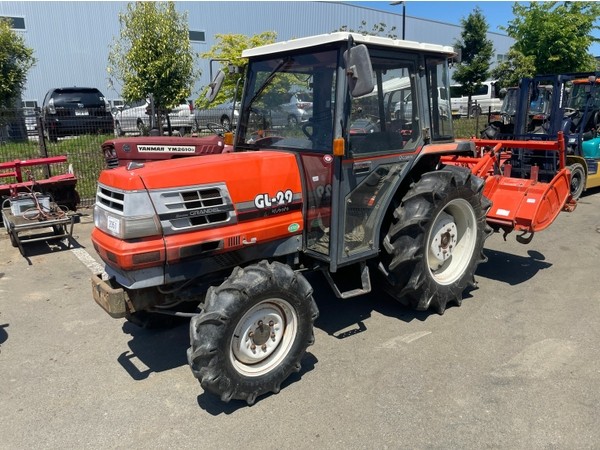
column 443, row 241
column 259, row 334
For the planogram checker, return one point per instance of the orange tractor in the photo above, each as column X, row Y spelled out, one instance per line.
column 231, row 234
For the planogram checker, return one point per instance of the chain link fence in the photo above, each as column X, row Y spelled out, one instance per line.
column 23, row 137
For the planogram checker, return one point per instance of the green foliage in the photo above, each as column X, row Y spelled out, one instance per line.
column 15, row 61
column 516, row 66
column 556, row 35
column 228, row 50
column 153, row 55
column 378, row 29
column 476, row 51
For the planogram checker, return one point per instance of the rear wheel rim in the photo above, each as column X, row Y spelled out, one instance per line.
column 452, row 241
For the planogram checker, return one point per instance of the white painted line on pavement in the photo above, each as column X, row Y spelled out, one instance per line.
column 88, row 261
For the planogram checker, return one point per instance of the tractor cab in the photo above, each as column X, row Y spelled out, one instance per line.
column 375, row 104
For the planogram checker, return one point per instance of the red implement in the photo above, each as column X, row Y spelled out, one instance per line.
column 527, row 182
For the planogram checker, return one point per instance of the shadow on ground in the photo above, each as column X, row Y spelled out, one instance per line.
column 512, row 269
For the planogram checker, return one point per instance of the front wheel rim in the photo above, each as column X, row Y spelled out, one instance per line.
column 263, row 337
column 451, row 241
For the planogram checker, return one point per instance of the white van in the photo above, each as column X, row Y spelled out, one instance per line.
column 487, row 96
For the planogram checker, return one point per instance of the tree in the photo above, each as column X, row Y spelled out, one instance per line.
column 15, row 61
column 516, row 66
column 556, row 35
column 228, row 52
column 476, row 51
column 153, row 55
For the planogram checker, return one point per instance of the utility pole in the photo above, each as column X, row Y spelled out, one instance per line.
column 403, row 3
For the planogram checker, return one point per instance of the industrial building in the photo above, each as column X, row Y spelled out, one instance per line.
column 71, row 40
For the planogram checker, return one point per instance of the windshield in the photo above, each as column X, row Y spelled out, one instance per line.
column 581, row 92
column 290, row 102
column 540, row 103
column 509, row 103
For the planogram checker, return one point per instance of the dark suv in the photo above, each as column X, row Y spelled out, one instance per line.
column 76, row 110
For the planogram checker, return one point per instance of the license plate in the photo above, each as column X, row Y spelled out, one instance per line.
column 82, row 112
column 112, row 224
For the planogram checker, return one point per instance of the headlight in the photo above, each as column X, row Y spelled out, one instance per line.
column 126, row 216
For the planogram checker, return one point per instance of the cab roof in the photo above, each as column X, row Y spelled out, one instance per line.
column 313, row 41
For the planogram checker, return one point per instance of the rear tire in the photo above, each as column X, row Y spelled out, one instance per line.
column 435, row 241
column 475, row 111
column 253, row 331
column 141, row 128
column 118, row 130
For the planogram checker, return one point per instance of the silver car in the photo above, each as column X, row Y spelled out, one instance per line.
column 222, row 114
column 297, row 110
column 135, row 118
column 132, row 118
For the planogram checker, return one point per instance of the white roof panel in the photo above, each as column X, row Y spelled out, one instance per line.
column 312, row 41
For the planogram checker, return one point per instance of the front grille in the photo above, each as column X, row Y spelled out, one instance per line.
column 111, row 199
column 193, row 208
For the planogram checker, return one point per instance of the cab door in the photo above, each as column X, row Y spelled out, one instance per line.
column 377, row 154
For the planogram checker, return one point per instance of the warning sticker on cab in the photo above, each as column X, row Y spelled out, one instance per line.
column 166, row 148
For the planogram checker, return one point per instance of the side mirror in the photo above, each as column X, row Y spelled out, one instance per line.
column 215, row 86
column 359, row 70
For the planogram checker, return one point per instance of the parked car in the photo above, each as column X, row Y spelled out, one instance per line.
column 182, row 118
column 30, row 120
column 222, row 114
column 403, row 108
column 73, row 111
column 363, row 126
column 136, row 118
column 487, row 97
column 132, row 118
column 298, row 109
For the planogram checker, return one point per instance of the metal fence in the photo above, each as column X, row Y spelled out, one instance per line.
column 23, row 137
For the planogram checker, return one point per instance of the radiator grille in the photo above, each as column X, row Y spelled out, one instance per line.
column 193, row 208
column 111, row 199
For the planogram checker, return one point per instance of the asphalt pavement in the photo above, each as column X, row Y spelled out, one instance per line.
column 517, row 366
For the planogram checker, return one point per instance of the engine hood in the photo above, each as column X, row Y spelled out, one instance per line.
column 246, row 174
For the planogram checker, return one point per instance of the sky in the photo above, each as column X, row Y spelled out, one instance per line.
column 497, row 13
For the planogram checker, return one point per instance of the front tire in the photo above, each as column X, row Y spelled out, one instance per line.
column 435, row 241
column 577, row 180
column 253, row 331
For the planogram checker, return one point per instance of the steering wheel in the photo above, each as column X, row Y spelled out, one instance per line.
column 596, row 120
column 216, row 128
column 570, row 112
